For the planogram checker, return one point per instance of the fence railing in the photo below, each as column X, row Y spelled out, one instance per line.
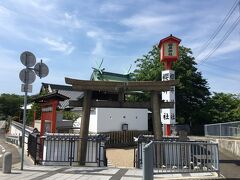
column 123, row 138
column 141, row 141
column 61, row 149
column 180, row 157
column 17, row 140
column 223, row 129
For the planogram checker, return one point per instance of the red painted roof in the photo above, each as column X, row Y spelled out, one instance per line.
column 171, row 37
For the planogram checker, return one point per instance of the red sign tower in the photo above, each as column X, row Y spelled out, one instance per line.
column 169, row 51
column 168, row 54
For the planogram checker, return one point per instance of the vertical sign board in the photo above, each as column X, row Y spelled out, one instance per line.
column 168, row 116
column 170, row 49
column 168, row 54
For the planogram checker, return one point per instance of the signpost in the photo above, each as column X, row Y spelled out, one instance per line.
column 28, row 76
column 168, row 54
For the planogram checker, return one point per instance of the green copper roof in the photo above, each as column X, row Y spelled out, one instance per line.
column 99, row 75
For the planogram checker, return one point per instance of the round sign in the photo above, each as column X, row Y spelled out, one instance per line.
column 41, row 70
column 27, row 76
column 28, row 59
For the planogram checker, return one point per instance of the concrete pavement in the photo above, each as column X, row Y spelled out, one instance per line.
column 91, row 173
column 7, row 147
column 229, row 165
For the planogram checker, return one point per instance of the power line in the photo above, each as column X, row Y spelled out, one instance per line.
column 226, row 35
column 220, row 75
column 219, row 28
column 218, row 66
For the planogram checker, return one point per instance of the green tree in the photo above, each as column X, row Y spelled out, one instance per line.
column 30, row 113
column 10, row 105
column 223, row 108
column 192, row 92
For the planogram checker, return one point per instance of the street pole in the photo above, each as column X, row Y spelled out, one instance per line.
column 28, row 76
column 23, row 129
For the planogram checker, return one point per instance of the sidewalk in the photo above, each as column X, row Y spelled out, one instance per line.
column 90, row 173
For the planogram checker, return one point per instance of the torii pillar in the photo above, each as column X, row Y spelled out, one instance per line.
column 84, row 128
column 157, row 127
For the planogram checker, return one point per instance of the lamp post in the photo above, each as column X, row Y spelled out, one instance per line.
column 28, row 76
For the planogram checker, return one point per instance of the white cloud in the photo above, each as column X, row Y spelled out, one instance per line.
column 71, row 21
column 59, row 45
column 4, row 12
column 92, row 34
column 224, row 49
column 231, row 46
column 41, row 4
column 109, row 8
column 146, row 21
column 99, row 49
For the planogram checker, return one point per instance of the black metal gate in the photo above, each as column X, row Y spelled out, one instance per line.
column 34, row 147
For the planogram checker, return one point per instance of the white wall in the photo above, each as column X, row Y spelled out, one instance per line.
column 111, row 119
column 93, row 121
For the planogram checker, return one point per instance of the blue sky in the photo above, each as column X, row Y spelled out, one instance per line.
column 71, row 36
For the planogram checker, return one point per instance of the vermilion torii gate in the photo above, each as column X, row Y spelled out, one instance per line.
column 119, row 88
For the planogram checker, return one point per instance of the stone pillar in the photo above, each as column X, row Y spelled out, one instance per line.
column 7, row 162
column 84, row 128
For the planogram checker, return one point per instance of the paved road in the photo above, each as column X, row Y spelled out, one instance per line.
column 6, row 147
column 229, row 165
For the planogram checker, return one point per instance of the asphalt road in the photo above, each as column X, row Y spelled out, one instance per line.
column 229, row 165
column 7, row 147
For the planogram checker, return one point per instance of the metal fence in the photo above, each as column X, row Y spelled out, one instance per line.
column 141, row 141
column 123, row 138
column 180, row 157
column 223, row 129
column 61, row 149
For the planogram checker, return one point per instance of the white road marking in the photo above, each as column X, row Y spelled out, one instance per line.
column 3, row 149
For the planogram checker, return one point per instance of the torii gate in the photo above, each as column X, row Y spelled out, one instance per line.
column 121, row 88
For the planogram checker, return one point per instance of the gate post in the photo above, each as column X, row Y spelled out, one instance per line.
column 148, row 161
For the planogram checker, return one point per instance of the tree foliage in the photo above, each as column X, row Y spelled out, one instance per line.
column 10, row 105
column 192, row 92
column 223, row 108
column 30, row 113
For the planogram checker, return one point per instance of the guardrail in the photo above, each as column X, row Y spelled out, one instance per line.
column 17, row 140
column 160, row 157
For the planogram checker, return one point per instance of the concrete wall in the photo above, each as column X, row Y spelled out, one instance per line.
column 231, row 145
column 16, row 130
column 111, row 119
